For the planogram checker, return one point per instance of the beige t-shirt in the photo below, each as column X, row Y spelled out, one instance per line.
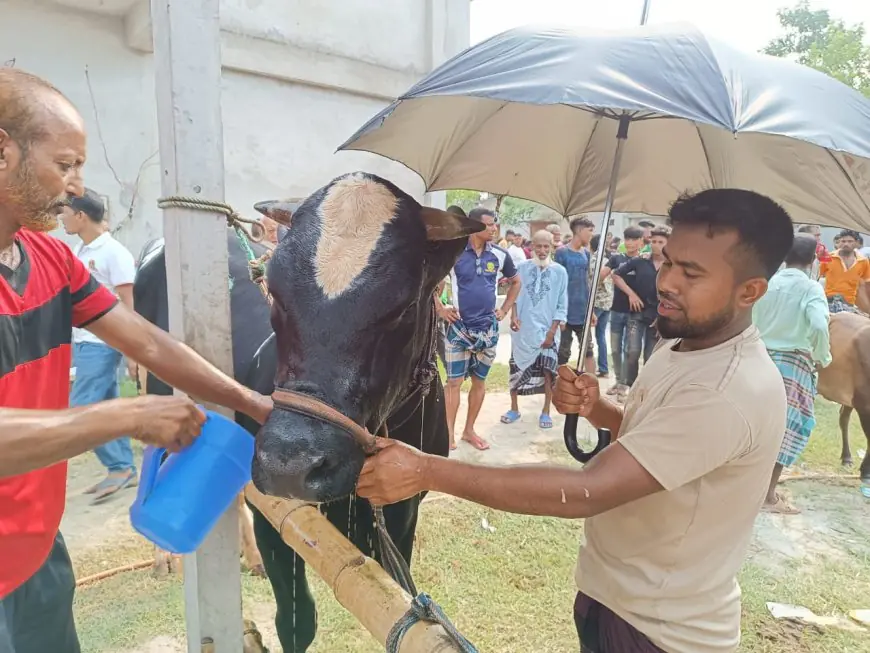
column 707, row 425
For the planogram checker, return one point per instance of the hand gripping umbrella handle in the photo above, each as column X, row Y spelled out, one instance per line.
column 570, row 433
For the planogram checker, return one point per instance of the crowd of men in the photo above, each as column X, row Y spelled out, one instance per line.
column 550, row 287
column 548, row 283
column 716, row 413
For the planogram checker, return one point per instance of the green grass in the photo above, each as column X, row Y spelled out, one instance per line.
column 511, row 591
column 823, row 451
column 496, row 380
column 128, row 388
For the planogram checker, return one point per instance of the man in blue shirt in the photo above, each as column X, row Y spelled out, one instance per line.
column 792, row 318
column 473, row 332
column 575, row 257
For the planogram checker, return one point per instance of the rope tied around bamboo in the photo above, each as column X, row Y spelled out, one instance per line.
column 424, row 608
column 235, row 220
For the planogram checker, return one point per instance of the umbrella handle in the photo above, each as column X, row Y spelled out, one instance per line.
column 570, row 433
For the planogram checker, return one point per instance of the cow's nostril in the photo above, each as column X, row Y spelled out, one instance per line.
column 319, row 472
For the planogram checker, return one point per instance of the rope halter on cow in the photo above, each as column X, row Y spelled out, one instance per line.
column 422, row 606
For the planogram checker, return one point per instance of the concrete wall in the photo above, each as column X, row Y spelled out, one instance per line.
column 300, row 76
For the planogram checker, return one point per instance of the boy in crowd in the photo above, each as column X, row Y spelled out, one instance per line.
column 574, row 257
column 620, row 310
column 637, row 279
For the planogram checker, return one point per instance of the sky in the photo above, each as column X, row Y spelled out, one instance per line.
column 745, row 24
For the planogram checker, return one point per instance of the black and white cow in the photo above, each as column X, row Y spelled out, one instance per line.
column 352, row 285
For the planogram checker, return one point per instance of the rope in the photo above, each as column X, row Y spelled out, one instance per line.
column 234, row 218
column 257, row 265
column 423, row 608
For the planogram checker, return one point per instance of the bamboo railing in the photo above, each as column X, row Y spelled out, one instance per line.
column 358, row 582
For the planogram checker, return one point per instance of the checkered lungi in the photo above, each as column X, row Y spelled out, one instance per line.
column 799, row 375
column 838, row 304
column 531, row 380
column 470, row 351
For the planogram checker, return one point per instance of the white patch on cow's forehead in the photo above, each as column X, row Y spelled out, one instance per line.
column 352, row 218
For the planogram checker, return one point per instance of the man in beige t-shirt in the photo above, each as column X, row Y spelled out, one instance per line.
column 670, row 505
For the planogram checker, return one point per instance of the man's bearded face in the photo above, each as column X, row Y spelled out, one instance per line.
column 38, row 210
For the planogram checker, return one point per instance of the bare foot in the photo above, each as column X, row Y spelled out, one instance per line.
column 452, row 445
column 475, row 441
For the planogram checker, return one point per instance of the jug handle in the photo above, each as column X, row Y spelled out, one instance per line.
column 151, row 459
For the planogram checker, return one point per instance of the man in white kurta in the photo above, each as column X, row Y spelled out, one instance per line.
column 536, row 320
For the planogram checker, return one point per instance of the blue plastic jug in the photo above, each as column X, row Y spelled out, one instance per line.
column 181, row 498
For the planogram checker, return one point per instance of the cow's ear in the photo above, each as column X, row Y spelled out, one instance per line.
column 443, row 225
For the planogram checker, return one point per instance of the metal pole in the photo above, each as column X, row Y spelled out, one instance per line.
column 621, row 135
column 644, row 15
column 571, row 421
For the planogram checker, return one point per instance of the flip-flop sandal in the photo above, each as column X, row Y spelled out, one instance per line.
column 98, row 486
column 101, row 486
column 780, row 507
column 545, row 422
column 477, row 442
column 510, row 417
column 113, row 485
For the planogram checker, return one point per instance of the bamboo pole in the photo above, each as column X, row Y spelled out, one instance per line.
column 358, row 582
column 93, row 578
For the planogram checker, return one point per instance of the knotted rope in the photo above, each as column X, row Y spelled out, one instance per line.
column 257, row 265
column 425, row 609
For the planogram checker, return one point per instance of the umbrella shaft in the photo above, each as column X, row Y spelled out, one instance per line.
column 621, row 136
column 644, row 15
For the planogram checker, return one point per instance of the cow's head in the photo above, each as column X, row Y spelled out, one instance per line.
column 352, row 285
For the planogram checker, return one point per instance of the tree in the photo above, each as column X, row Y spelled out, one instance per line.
column 465, row 199
column 511, row 210
column 816, row 40
column 514, row 210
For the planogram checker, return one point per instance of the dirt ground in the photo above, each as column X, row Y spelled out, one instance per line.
column 832, row 532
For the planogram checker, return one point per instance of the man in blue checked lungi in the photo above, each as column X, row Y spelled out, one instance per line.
column 536, row 320
column 793, row 320
column 472, row 334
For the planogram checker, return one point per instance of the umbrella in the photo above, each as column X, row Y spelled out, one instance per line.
column 582, row 120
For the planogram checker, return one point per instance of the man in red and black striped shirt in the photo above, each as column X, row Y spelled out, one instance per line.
column 44, row 292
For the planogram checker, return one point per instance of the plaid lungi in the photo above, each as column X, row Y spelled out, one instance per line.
column 531, row 380
column 838, row 304
column 799, row 375
column 602, row 631
column 470, row 351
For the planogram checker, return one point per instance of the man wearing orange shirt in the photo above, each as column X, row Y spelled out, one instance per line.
column 844, row 273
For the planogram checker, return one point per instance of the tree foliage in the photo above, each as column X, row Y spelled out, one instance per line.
column 465, row 199
column 511, row 210
column 816, row 40
column 514, row 211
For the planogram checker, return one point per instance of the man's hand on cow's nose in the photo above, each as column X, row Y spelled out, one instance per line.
column 394, row 473
column 261, row 407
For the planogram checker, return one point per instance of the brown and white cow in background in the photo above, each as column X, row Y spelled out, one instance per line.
column 846, row 380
